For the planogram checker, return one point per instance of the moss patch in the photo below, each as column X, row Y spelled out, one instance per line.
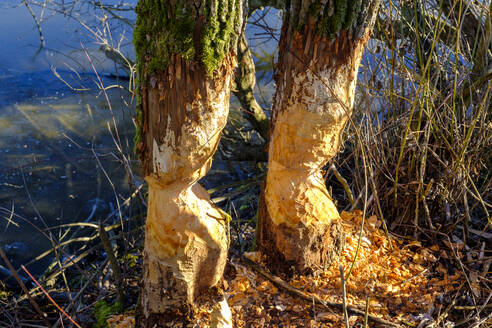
column 202, row 31
column 102, row 312
column 4, row 294
column 329, row 17
column 220, row 33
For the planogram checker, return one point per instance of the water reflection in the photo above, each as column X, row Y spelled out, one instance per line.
column 48, row 170
column 50, row 135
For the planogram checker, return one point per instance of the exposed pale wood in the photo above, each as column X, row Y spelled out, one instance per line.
column 186, row 239
column 310, row 117
column 319, row 57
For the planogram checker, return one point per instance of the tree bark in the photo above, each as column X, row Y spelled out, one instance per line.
column 185, row 63
column 320, row 51
column 245, row 78
column 245, row 81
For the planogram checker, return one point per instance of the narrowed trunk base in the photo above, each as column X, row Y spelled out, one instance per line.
column 179, row 317
column 170, row 289
column 183, row 314
column 303, row 249
column 185, row 252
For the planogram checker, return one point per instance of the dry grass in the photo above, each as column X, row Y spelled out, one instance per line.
column 417, row 159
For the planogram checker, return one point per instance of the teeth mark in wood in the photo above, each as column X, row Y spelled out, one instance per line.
column 186, row 235
column 314, row 98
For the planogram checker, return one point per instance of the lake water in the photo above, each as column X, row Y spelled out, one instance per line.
column 58, row 159
column 51, row 134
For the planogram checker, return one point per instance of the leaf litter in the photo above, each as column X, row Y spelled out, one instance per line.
column 405, row 284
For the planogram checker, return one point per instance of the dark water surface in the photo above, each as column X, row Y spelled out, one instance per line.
column 50, row 134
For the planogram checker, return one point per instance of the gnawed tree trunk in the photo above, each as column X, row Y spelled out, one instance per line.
column 185, row 62
column 320, row 51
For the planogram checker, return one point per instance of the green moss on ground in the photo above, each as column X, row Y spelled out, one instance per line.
column 102, row 312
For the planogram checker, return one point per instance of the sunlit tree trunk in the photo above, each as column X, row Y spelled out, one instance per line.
column 185, row 61
column 320, row 51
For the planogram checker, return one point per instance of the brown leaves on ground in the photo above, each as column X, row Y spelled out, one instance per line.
column 403, row 284
column 126, row 320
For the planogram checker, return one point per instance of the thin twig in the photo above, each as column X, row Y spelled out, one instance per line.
column 114, row 263
column 24, row 289
column 344, row 183
column 366, row 310
column 49, row 297
column 80, row 292
column 472, row 307
column 38, row 24
column 344, row 298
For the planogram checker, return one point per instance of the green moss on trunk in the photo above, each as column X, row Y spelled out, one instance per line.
column 204, row 32
column 329, row 17
column 201, row 31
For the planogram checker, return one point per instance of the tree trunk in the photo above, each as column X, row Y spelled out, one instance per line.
column 245, row 81
column 185, row 62
column 320, row 51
